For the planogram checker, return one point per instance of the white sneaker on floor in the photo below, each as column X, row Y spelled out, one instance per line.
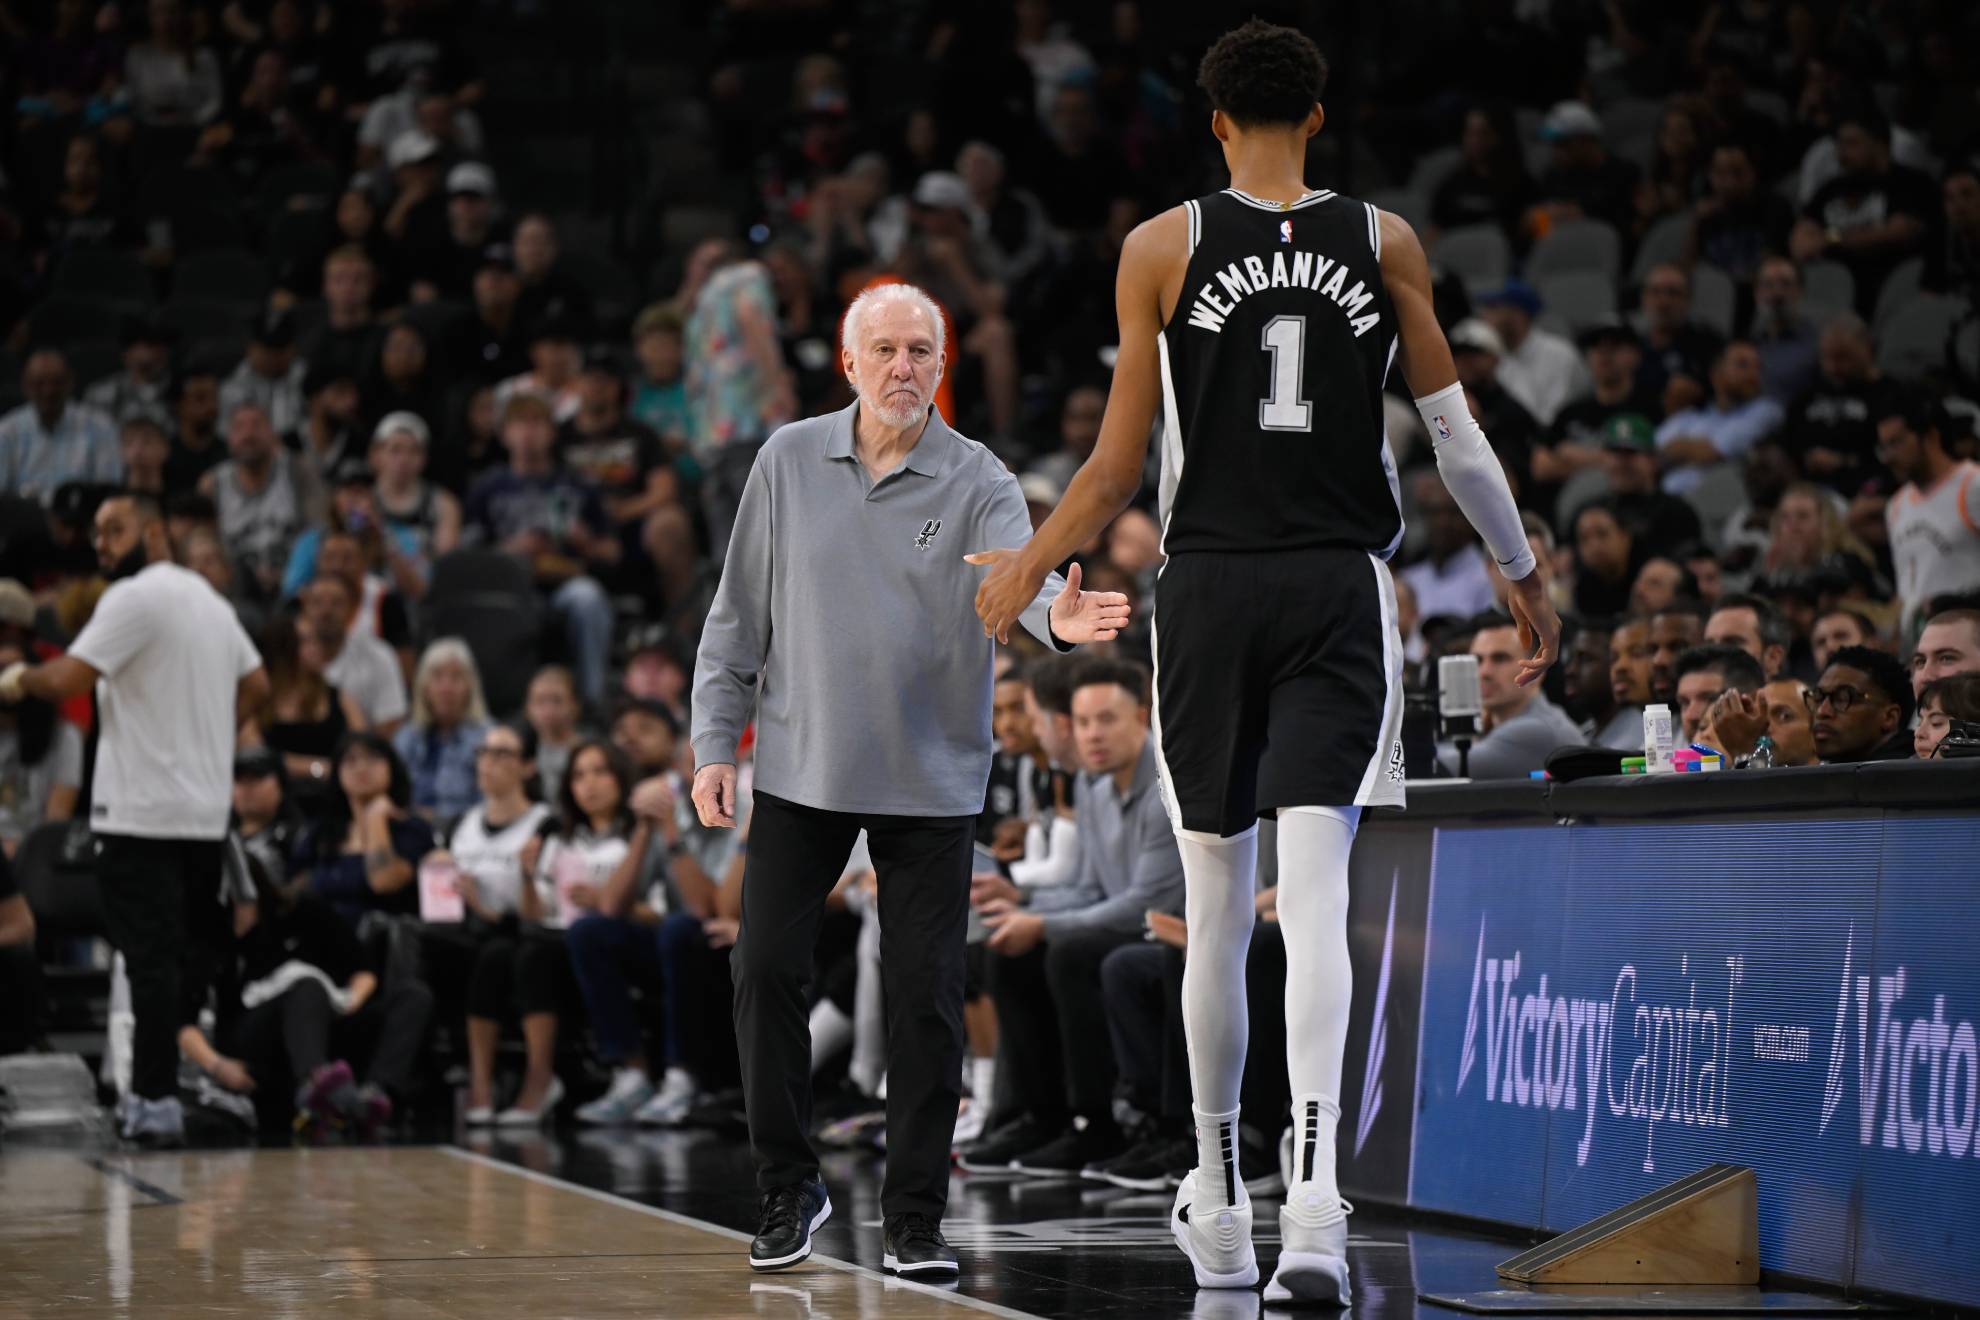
column 478, row 1115
column 515, row 1116
column 971, row 1121
column 1215, row 1237
column 630, row 1089
column 1313, row 1252
column 670, row 1104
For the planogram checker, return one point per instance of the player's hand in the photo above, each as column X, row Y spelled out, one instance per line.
column 1539, row 626
column 715, row 796
column 1735, row 722
column 1013, row 932
column 1006, row 592
column 1087, row 616
column 1167, row 929
column 10, row 682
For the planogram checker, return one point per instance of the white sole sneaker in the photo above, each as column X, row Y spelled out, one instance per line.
column 802, row 1253
column 1230, row 1224
column 891, row 1263
column 1312, row 1264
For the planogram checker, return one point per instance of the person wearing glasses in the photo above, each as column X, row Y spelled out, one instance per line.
column 1861, row 708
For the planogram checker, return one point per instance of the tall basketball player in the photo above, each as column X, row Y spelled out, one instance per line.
column 1264, row 320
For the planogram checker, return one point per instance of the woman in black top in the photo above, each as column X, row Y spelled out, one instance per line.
column 358, row 852
column 305, row 717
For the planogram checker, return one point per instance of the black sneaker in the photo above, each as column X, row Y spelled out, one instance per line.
column 1146, row 1167
column 994, row 1153
column 1071, row 1151
column 915, row 1246
column 790, row 1216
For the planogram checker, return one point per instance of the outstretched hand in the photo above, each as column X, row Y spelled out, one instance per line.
column 1078, row 616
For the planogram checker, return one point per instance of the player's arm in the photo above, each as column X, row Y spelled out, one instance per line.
column 53, row 680
column 1112, row 473
column 1470, row 470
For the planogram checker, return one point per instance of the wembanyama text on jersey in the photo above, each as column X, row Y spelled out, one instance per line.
column 1272, row 371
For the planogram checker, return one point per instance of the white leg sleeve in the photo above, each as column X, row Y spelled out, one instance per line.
column 1313, row 901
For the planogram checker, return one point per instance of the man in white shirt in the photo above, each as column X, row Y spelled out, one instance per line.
column 1738, row 417
column 172, row 669
column 1539, row 368
column 51, row 439
column 362, row 666
column 1934, row 520
column 1453, row 578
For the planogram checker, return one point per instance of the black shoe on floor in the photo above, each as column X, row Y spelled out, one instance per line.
column 1071, row 1151
column 914, row 1246
column 790, row 1216
column 1146, row 1167
column 996, row 1150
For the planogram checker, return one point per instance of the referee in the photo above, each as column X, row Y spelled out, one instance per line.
column 844, row 620
column 172, row 668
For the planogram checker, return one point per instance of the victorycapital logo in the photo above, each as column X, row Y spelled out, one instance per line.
column 1924, row 1074
column 1551, row 1051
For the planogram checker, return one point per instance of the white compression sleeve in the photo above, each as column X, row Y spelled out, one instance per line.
column 1314, row 843
column 1472, row 474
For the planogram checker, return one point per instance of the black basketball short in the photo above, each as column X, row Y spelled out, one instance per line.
column 1278, row 683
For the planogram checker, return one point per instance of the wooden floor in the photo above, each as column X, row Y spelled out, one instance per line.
column 414, row 1232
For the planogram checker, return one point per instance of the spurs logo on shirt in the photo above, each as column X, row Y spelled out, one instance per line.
column 928, row 531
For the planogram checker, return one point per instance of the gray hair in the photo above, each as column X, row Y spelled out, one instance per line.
column 881, row 295
column 447, row 651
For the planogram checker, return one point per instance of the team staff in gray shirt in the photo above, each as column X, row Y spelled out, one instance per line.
column 845, row 620
column 1522, row 727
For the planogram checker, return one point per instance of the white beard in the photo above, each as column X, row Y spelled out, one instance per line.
column 895, row 414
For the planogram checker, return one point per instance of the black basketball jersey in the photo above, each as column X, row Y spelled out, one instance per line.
column 1272, row 372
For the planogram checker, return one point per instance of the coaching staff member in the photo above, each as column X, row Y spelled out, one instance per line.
column 172, row 668
column 844, row 618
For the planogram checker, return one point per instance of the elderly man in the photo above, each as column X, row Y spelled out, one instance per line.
column 51, row 440
column 844, row 621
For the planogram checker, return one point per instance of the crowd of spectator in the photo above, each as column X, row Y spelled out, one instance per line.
column 1708, row 270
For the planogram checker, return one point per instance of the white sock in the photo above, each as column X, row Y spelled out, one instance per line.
column 1221, row 882
column 1313, row 899
column 831, row 1032
column 982, row 1079
column 1216, row 1157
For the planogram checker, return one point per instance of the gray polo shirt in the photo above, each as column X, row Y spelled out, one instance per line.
column 846, row 619
column 1128, row 859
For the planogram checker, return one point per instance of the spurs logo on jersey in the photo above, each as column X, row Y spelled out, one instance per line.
column 1272, row 370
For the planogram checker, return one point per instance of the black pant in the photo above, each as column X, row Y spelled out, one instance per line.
column 1143, row 989
column 1050, row 1009
column 21, row 992
column 161, row 910
column 301, row 1030
column 796, row 854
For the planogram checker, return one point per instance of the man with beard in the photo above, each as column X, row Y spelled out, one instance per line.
column 875, row 715
column 1672, row 632
column 1779, row 710
column 1629, row 682
column 1587, row 695
column 1861, row 708
column 172, row 669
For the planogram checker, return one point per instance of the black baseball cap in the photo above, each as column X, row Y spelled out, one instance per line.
column 257, row 763
column 1609, row 330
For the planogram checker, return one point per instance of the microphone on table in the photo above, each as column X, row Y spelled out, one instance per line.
column 1459, row 707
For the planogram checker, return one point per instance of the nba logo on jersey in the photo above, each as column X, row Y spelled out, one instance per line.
column 928, row 530
column 1443, row 428
column 1285, row 231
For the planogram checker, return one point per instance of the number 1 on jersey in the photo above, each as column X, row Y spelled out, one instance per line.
column 1283, row 410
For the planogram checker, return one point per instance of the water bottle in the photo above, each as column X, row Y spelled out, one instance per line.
column 1763, row 754
column 1658, row 739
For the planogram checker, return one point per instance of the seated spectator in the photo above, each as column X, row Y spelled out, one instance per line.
column 551, row 708
column 1784, row 335
column 1477, row 351
column 1673, row 630
column 359, row 663
column 1837, row 628
column 1831, row 428
column 681, row 590
column 196, row 444
column 1013, row 220
column 20, row 966
column 593, row 851
column 449, row 720
column 484, row 853
column 1579, row 433
column 1738, row 222
column 1949, row 645
column 1706, row 673
column 1874, row 214
column 1048, row 944
column 1952, row 262
column 1809, row 543
column 443, row 258
column 358, row 852
column 404, row 379
column 83, row 213
column 1933, row 521
column 490, row 343
column 143, row 387
column 1630, row 654
column 1079, row 430
column 619, row 455
column 266, row 819
column 271, row 374
column 541, row 511
column 1660, row 583
column 1861, row 708
column 1755, row 626
column 1605, row 552
column 146, row 452
column 1693, row 441
column 1629, row 457
column 420, row 514
column 1582, row 179
column 354, row 517
column 304, row 718
column 331, row 434
column 1490, row 185
column 1587, row 695
column 548, row 290
column 343, row 340
column 265, row 495
column 1520, row 728
column 172, row 81
column 1943, row 701
column 51, row 439
column 1453, row 576
column 554, row 364
column 302, row 1000
column 657, row 669
column 1678, row 352
column 1677, row 161
column 1538, row 368
column 739, row 390
column 41, row 754
column 660, row 388
column 1779, row 712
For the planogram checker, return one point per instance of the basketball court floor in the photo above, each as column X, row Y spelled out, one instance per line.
column 603, row 1224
